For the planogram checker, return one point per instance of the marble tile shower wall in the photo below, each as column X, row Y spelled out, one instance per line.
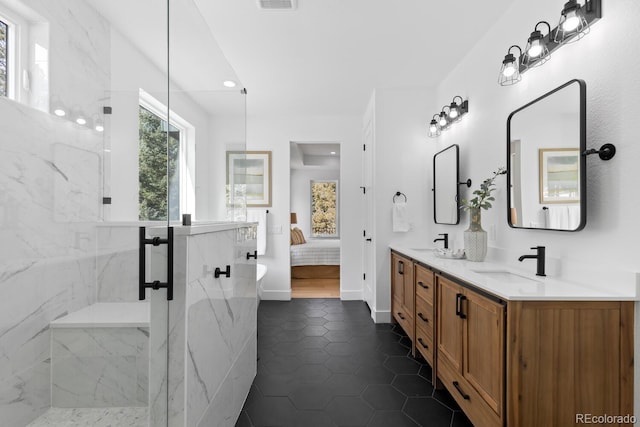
column 50, row 190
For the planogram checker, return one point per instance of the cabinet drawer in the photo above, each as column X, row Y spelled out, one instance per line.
column 404, row 319
column 424, row 344
column 470, row 401
column 425, row 284
column 424, row 316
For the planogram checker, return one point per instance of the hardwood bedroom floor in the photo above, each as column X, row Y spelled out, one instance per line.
column 315, row 288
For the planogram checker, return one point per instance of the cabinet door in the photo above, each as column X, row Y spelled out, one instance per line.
column 449, row 324
column 483, row 347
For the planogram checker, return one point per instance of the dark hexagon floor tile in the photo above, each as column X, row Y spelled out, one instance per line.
column 316, row 321
column 275, row 384
column 312, row 373
column 460, row 420
column 341, row 349
column 313, row 355
column 337, row 326
column 272, row 411
column 342, row 364
column 313, row 342
column 405, row 342
column 243, row 420
column 333, row 309
column 345, row 385
column 384, row 397
column 413, row 385
column 402, row 365
column 335, row 317
column 349, row 411
column 365, row 343
column 314, row 331
column 393, row 349
column 444, row 397
column 315, row 313
column 291, row 336
column 282, row 364
column 311, row 396
column 426, row 372
column 286, row 348
column 338, row 336
column 426, row 411
column 313, row 419
column 391, row 419
column 293, row 325
column 375, row 375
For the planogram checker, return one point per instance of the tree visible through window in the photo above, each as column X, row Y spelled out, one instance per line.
column 158, row 176
column 4, row 34
column 324, row 208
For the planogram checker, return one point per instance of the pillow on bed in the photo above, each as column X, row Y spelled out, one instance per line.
column 297, row 238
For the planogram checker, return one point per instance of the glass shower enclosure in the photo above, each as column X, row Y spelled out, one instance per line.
column 114, row 125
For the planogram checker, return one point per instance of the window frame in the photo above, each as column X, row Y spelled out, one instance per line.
column 336, row 235
column 186, row 142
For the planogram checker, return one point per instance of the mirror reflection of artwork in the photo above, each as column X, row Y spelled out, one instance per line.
column 249, row 175
column 559, row 175
column 547, row 170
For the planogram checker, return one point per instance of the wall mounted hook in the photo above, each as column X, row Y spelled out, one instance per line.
column 467, row 183
column 606, row 152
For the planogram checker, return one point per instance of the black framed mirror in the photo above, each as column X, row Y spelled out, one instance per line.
column 546, row 165
column 445, row 186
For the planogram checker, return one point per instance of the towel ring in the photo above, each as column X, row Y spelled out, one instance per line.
column 398, row 194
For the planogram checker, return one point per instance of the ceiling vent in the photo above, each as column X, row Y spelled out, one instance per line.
column 278, row 4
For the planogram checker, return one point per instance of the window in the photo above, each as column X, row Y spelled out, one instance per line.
column 157, row 176
column 324, row 208
column 4, row 57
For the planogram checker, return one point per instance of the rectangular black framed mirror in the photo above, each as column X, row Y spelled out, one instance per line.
column 546, row 165
column 445, row 186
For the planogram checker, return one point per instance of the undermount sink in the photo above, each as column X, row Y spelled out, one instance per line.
column 506, row 276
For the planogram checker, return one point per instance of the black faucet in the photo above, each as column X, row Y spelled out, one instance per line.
column 539, row 256
column 445, row 239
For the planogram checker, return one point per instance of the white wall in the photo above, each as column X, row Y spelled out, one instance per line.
column 301, row 194
column 274, row 134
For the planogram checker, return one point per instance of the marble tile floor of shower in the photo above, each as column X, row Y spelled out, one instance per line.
column 323, row 362
column 94, row 417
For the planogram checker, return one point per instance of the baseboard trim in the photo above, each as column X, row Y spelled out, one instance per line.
column 351, row 295
column 268, row 295
column 381, row 316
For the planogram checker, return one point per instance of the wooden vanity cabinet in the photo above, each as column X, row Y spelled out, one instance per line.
column 403, row 293
column 470, row 350
column 424, row 315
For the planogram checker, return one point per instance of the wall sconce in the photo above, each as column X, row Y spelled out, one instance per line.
column 448, row 115
column 510, row 70
column 434, row 127
column 456, row 111
column 575, row 21
column 536, row 52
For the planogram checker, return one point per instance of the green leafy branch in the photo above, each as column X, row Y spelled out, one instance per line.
column 483, row 197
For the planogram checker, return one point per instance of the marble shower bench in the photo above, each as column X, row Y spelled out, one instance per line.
column 100, row 356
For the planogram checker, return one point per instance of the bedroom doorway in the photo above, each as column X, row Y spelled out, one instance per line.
column 315, row 219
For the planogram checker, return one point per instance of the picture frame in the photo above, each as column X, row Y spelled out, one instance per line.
column 559, row 175
column 249, row 174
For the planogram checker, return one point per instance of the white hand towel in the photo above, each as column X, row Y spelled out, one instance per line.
column 259, row 216
column 400, row 217
column 558, row 217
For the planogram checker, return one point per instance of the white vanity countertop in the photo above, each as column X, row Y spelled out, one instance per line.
column 523, row 286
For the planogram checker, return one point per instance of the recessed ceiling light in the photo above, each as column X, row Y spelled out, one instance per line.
column 333, row 153
column 229, row 83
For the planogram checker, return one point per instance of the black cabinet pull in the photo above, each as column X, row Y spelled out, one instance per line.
column 462, row 299
column 457, row 386
column 423, row 344
column 420, row 315
column 217, row 272
column 255, row 255
column 400, row 267
column 422, row 285
column 401, row 316
column 458, row 304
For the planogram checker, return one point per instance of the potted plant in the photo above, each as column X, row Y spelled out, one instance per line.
column 475, row 238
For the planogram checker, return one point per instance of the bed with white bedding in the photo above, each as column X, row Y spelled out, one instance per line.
column 317, row 258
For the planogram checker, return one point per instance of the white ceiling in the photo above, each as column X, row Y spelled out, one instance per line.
column 324, row 58
column 315, row 155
